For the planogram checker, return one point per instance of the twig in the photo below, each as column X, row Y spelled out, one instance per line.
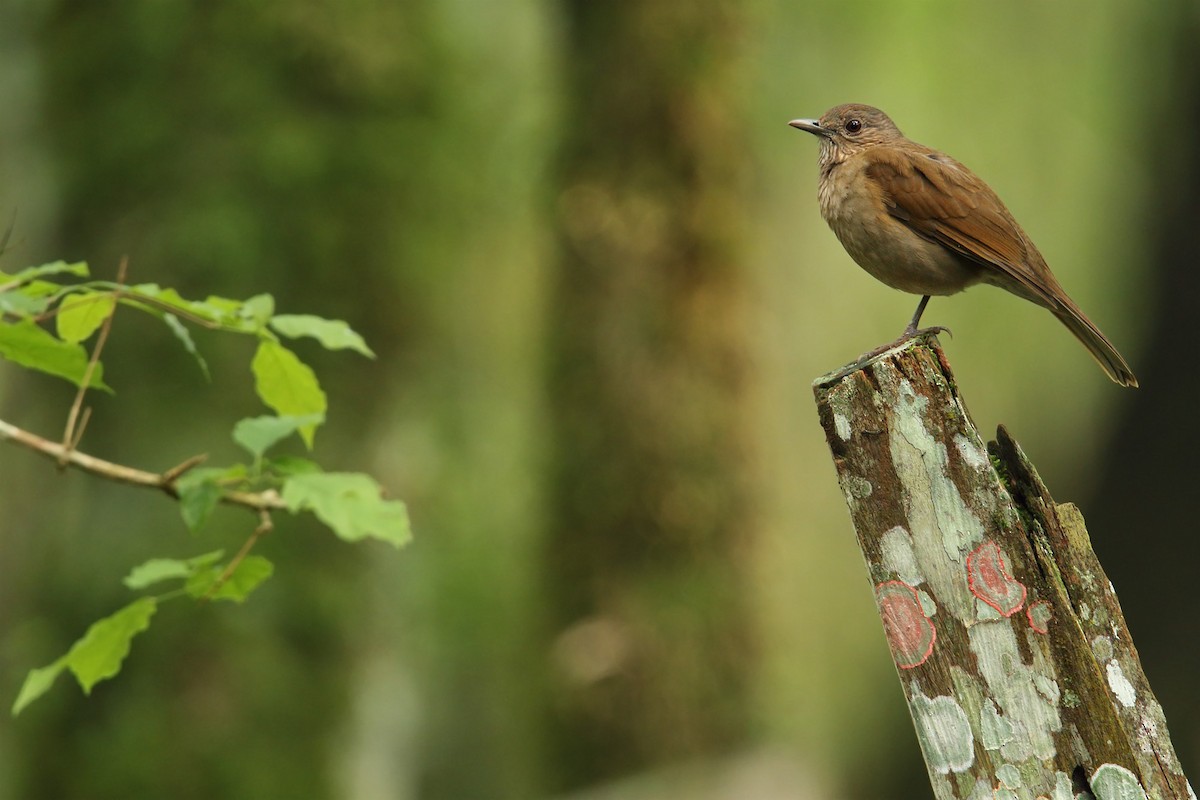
column 12, row 223
column 176, row 472
column 70, row 439
column 265, row 526
column 165, row 482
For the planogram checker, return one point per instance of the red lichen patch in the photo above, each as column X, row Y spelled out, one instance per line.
column 1039, row 615
column 987, row 575
column 909, row 631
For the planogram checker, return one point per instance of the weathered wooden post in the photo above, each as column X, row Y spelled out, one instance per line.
column 1020, row 674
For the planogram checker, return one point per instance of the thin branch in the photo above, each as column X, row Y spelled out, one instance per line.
column 265, row 526
column 12, row 223
column 179, row 470
column 70, row 438
column 165, row 482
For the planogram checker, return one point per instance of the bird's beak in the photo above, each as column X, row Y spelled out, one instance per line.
column 812, row 126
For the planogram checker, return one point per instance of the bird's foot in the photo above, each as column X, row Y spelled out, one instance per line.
column 910, row 333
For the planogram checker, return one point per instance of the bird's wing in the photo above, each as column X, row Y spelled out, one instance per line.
column 944, row 202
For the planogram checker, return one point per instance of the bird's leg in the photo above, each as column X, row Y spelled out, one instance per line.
column 912, row 329
column 916, row 318
column 910, row 332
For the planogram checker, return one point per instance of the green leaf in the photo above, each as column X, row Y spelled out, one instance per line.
column 184, row 335
column 259, row 434
column 29, row 345
column 157, row 570
column 333, row 334
column 37, row 683
column 351, row 504
column 81, row 315
column 79, row 269
column 219, row 311
column 23, row 304
column 246, row 577
column 286, row 466
column 287, row 385
column 199, row 493
column 98, row 655
column 257, row 310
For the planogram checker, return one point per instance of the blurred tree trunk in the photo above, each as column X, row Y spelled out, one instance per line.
column 652, row 511
column 1149, row 475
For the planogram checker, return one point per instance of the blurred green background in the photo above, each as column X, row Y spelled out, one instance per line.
column 586, row 247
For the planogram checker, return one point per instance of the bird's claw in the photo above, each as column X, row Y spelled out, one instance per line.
column 909, row 333
column 912, row 333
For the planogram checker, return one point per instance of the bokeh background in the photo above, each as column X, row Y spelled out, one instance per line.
column 586, row 247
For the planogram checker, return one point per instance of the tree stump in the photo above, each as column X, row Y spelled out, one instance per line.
column 1019, row 671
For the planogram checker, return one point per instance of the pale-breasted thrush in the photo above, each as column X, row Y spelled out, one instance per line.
column 923, row 223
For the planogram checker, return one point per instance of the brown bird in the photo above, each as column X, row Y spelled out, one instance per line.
column 923, row 223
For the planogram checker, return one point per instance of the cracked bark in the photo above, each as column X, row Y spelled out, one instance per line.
column 1020, row 673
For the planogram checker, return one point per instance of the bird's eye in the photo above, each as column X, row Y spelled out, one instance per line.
column 854, row 126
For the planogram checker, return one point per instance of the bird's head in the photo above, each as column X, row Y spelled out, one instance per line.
column 849, row 129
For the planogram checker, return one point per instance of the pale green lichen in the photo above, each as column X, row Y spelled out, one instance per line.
column 1062, row 786
column 1047, row 687
column 994, row 730
column 969, row 693
column 933, row 503
column 985, row 612
column 943, row 731
column 841, row 426
column 971, row 452
column 981, row 791
column 896, row 553
column 1009, row 776
column 856, row 489
column 928, row 606
column 1114, row 782
column 1011, row 683
column 1121, row 688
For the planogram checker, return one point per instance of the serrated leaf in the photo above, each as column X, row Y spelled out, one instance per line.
column 333, row 334
column 98, row 655
column 199, row 493
column 185, row 337
column 351, row 504
column 81, row 315
column 259, row 434
column 37, row 683
column 287, row 385
column 28, row 344
column 157, row 570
